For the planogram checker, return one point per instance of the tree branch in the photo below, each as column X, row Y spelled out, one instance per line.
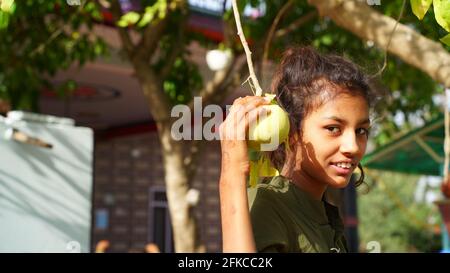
column 296, row 24
column 390, row 40
column 248, row 53
column 153, row 90
column 176, row 50
column 233, row 82
column 368, row 24
column 214, row 85
column 273, row 27
column 150, row 38
column 58, row 32
column 229, row 34
column 116, row 11
column 154, row 31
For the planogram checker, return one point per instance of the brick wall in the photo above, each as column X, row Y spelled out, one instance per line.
column 125, row 169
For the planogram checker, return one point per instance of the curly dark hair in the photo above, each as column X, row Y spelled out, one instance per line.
column 305, row 79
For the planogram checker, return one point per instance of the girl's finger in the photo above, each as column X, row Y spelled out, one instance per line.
column 243, row 101
column 255, row 115
column 244, row 120
column 251, row 105
column 237, row 120
column 246, row 104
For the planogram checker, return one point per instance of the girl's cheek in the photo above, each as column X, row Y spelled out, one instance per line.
column 363, row 145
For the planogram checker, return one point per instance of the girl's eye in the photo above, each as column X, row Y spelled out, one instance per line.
column 362, row 131
column 333, row 129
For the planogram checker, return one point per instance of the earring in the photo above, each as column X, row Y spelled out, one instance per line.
column 361, row 178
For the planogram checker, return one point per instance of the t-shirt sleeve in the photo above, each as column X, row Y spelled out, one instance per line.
column 268, row 228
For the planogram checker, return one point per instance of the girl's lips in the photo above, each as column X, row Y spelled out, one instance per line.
column 342, row 171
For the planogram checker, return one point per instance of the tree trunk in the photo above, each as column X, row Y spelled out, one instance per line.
column 177, row 186
column 176, row 175
column 176, row 171
column 368, row 24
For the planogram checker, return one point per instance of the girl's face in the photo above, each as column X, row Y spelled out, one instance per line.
column 334, row 140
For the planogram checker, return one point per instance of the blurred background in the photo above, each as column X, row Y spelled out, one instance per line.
column 87, row 159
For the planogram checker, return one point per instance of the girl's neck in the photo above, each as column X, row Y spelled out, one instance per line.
column 292, row 170
column 305, row 182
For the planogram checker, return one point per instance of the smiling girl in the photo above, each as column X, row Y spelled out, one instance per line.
column 327, row 99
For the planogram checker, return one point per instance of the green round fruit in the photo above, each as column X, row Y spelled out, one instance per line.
column 6, row 5
column 266, row 130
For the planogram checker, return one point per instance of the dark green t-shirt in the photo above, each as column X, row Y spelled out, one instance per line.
column 286, row 219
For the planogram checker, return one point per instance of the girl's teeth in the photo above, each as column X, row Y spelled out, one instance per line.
column 345, row 166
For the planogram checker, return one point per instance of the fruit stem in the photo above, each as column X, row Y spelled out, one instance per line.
column 248, row 53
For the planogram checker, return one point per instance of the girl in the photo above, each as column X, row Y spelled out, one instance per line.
column 327, row 99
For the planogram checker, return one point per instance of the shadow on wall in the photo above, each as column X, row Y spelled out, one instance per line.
column 45, row 194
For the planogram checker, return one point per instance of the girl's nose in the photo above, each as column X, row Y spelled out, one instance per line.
column 349, row 144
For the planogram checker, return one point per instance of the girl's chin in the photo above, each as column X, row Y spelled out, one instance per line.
column 339, row 182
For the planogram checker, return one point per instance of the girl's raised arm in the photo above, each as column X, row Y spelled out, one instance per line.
column 237, row 232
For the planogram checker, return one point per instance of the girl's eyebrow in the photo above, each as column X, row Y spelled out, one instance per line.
column 340, row 120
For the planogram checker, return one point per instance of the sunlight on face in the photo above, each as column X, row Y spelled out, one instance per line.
column 334, row 139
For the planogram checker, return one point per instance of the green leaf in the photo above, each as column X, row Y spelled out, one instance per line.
column 327, row 39
column 254, row 174
column 446, row 39
column 147, row 18
column 420, row 7
column 158, row 9
column 162, row 9
column 130, row 18
column 122, row 23
column 442, row 13
column 91, row 8
column 98, row 48
column 7, row 6
column 66, row 89
column 4, row 19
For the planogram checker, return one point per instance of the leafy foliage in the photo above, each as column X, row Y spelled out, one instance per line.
column 39, row 39
column 390, row 215
column 441, row 13
column 183, row 78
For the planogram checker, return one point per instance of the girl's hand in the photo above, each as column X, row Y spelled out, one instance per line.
column 233, row 132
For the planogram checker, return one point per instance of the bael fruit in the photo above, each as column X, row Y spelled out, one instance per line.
column 271, row 129
column 266, row 131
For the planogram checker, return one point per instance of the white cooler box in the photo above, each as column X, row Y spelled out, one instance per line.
column 46, row 181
